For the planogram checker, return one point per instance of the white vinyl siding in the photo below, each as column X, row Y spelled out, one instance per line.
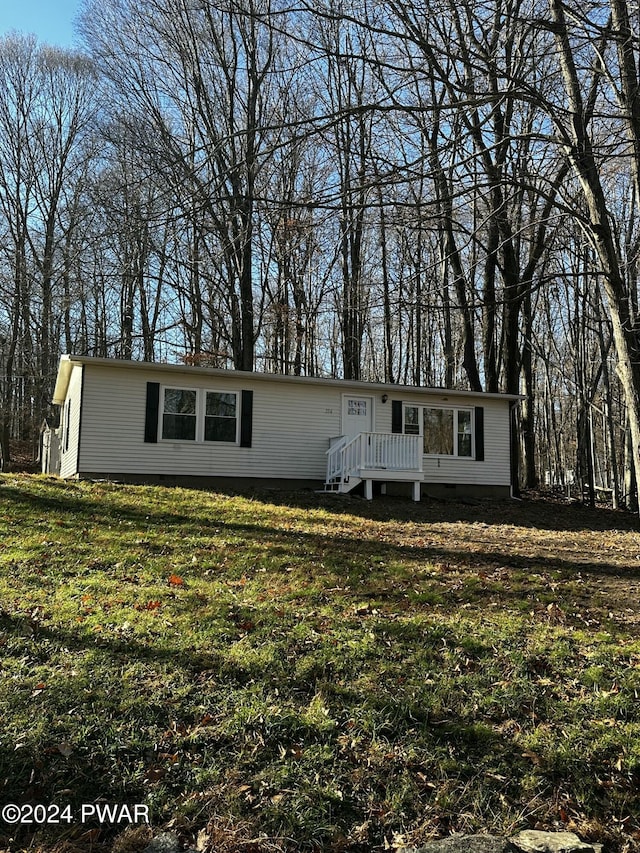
column 291, row 429
column 293, row 423
column 494, row 470
column 70, row 425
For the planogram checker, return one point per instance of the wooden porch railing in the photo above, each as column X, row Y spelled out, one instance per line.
column 370, row 451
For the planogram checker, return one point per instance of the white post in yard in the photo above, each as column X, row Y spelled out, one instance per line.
column 368, row 489
column 416, row 490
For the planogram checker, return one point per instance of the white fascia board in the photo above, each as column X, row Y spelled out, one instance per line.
column 68, row 361
column 62, row 380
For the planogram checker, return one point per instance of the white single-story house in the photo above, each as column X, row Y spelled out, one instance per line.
column 143, row 422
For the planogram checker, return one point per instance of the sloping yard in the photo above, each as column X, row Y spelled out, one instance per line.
column 292, row 672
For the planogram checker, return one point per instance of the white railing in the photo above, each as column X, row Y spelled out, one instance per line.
column 395, row 452
column 334, row 458
column 374, row 451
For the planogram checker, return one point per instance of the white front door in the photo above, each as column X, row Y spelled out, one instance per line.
column 357, row 414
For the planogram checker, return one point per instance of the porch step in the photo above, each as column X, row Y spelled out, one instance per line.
column 369, row 457
column 342, row 485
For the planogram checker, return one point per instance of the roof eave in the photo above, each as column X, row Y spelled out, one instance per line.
column 62, row 380
column 68, row 361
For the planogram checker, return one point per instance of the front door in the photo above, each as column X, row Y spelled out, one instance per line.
column 357, row 414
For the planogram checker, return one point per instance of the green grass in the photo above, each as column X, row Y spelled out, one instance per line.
column 296, row 673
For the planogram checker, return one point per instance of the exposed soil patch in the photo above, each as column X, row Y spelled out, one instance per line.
column 588, row 559
column 24, row 458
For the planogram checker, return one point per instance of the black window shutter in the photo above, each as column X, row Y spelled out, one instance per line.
column 479, row 430
column 396, row 416
column 67, row 426
column 151, row 413
column 246, row 419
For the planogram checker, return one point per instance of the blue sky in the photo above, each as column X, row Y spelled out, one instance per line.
column 50, row 20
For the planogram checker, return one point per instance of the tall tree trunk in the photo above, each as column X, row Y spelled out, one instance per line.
column 527, row 420
column 580, row 152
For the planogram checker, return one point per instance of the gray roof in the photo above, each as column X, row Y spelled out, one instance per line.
column 68, row 361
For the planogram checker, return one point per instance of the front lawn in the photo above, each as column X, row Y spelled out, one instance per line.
column 292, row 672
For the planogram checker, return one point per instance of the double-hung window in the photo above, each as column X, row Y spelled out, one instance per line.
column 190, row 414
column 67, row 426
column 220, row 419
column 444, row 431
column 180, row 414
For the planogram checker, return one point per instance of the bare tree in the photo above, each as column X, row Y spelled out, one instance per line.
column 198, row 83
column 577, row 134
column 46, row 107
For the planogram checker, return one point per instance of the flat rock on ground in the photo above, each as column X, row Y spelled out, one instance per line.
column 466, row 844
column 165, row 843
column 528, row 841
column 534, row 841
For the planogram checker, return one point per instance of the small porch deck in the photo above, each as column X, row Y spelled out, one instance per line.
column 374, row 457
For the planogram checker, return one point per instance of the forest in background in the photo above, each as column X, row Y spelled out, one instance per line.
column 434, row 192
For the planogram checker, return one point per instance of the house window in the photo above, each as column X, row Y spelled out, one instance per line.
column 180, row 415
column 220, row 420
column 199, row 415
column 438, row 431
column 67, row 426
column 445, row 432
column 412, row 420
column 357, row 408
column 464, row 432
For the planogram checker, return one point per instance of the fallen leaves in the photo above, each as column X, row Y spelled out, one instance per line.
column 447, row 649
column 150, row 605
